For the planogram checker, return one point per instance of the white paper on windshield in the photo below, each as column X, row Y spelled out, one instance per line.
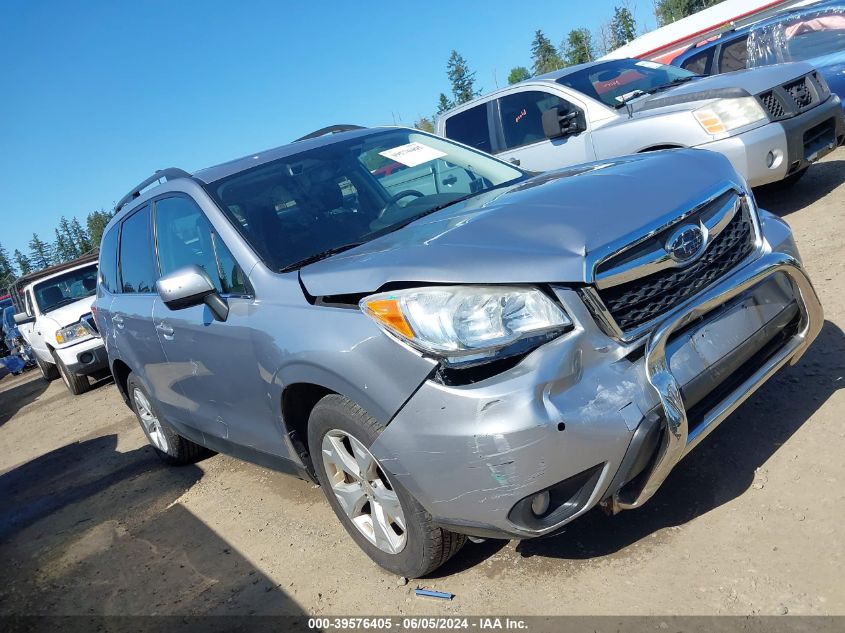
column 412, row 154
column 647, row 64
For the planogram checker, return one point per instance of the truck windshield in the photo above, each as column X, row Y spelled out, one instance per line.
column 616, row 81
column 66, row 288
column 320, row 201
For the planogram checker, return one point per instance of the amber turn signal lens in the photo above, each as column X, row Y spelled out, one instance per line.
column 388, row 312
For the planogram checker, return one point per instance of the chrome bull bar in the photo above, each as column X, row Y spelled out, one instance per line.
column 678, row 441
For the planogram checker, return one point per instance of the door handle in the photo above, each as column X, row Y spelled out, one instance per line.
column 117, row 320
column 514, row 161
column 165, row 330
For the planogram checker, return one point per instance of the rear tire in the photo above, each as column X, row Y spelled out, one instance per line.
column 49, row 371
column 424, row 546
column 169, row 446
column 75, row 383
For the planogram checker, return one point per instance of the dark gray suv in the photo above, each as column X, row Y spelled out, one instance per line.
column 449, row 345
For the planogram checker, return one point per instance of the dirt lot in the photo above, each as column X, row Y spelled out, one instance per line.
column 750, row 523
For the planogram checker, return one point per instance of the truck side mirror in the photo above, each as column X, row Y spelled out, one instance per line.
column 559, row 122
column 190, row 286
column 22, row 318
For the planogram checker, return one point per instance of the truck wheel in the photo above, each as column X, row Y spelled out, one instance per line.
column 169, row 446
column 75, row 383
column 49, row 371
column 377, row 512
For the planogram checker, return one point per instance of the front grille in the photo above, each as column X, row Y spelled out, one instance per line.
column 772, row 105
column 800, row 92
column 637, row 302
column 793, row 97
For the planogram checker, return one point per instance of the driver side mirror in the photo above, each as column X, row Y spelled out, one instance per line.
column 22, row 318
column 191, row 286
column 559, row 122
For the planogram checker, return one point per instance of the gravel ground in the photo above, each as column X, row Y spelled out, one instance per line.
column 749, row 523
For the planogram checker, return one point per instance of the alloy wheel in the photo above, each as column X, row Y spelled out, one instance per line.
column 364, row 491
column 151, row 423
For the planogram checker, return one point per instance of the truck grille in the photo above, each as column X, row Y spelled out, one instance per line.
column 793, row 97
column 635, row 303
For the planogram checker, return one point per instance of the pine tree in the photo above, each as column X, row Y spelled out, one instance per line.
column 96, row 222
column 40, row 253
column 23, row 263
column 517, row 74
column 80, row 237
column 544, row 55
column 463, row 81
column 63, row 250
column 444, row 104
column 578, row 47
column 667, row 11
column 7, row 271
column 623, row 27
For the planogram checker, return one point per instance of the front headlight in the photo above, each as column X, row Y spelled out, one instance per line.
column 725, row 115
column 72, row 333
column 467, row 323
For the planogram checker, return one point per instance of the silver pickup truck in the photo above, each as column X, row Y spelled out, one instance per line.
column 771, row 122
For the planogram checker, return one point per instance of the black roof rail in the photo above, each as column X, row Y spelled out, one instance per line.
column 166, row 174
column 331, row 129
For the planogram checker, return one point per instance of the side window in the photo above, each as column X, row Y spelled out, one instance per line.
column 522, row 116
column 733, row 56
column 186, row 237
column 108, row 260
column 699, row 63
column 470, row 128
column 137, row 266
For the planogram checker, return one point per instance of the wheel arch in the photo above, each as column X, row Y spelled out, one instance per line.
column 298, row 401
column 120, row 371
column 655, row 148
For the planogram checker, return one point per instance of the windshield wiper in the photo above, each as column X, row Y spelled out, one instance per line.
column 628, row 97
column 318, row 256
column 676, row 82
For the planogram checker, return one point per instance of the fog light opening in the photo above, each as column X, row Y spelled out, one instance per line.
column 774, row 159
column 540, row 503
column 86, row 358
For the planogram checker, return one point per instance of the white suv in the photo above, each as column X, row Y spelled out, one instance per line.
column 56, row 321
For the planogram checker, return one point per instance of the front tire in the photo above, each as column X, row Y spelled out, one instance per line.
column 377, row 512
column 75, row 383
column 169, row 446
column 49, row 371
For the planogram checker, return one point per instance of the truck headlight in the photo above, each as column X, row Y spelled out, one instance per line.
column 72, row 333
column 466, row 324
column 724, row 115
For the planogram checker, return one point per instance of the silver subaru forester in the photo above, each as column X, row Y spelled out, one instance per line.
column 448, row 345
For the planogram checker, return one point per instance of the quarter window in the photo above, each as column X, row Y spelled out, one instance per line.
column 699, row 63
column 185, row 237
column 522, row 116
column 470, row 128
column 137, row 267
column 108, row 260
column 734, row 56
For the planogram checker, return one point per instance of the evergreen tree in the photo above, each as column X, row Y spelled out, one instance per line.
column 40, row 253
column 444, row 104
column 80, row 237
column 544, row 55
column 63, row 250
column 424, row 124
column 667, row 11
column 463, row 81
column 23, row 263
column 96, row 222
column 7, row 271
column 517, row 74
column 578, row 47
column 623, row 27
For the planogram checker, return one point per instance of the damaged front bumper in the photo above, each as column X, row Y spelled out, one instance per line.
column 590, row 419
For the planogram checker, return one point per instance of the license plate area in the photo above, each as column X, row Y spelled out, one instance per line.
column 819, row 139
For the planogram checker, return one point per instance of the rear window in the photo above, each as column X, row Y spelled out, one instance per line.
column 470, row 128
column 108, row 260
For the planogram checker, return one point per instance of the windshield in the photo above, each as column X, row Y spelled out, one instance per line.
column 805, row 36
column 617, row 81
column 308, row 205
column 66, row 288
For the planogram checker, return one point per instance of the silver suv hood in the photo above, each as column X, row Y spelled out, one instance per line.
column 540, row 230
column 748, row 82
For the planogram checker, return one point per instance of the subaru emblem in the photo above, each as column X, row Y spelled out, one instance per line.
column 686, row 243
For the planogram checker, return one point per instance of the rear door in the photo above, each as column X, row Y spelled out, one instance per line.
column 521, row 138
column 213, row 363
